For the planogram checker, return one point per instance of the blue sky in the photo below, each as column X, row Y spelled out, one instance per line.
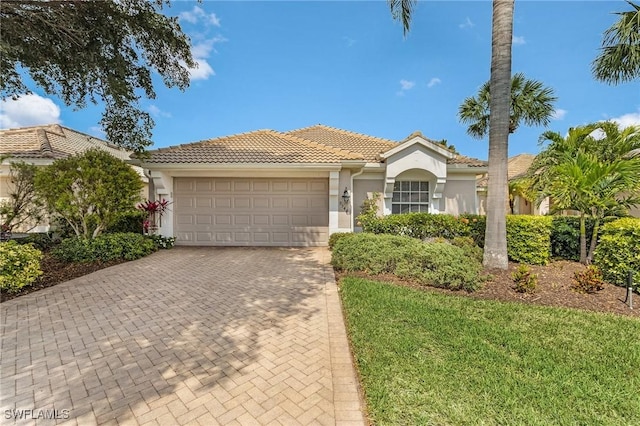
column 285, row 65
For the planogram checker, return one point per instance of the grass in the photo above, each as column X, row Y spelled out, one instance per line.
column 433, row 359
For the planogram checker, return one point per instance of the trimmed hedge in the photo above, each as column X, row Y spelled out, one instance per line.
column 333, row 238
column 104, row 248
column 418, row 225
column 529, row 239
column 565, row 236
column 433, row 264
column 619, row 251
column 19, row 265
column 127, row 222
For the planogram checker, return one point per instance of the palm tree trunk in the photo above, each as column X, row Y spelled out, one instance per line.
column 583, row 240
column 495, row 249
column 594, row 240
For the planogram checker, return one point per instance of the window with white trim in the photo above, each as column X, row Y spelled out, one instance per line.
column 410, row 196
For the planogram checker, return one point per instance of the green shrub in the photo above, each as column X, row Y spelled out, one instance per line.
column 469, row 246
column 619, row 251
column 525, row 280
column 19, row 265
column 529, row 239
column 418, row 225
column 440, row 265
column 370, row 253
column 477, row 225
column 434, row 264
column 565, row 236
column 41, row 240
column 162, row 242
column 127, row 222
column 333, row 238
column 104, row 248
column 588, row 281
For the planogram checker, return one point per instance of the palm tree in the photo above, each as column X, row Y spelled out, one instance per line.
column 595, row 170
column 619, row 58
column 531, row 103
column 495, row 249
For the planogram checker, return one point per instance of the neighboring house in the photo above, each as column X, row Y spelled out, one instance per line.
column 42, row 145
column 517, row 168
column 269, row 188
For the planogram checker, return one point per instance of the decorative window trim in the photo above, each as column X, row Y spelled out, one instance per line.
column 410, row 196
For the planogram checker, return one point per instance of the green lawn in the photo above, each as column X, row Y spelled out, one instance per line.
column 433, row 359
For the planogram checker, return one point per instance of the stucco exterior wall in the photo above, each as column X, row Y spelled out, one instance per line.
column 344, row 215
column 362, row 189
column 459, row 197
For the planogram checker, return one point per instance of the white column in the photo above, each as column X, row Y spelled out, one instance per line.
column 334, row 201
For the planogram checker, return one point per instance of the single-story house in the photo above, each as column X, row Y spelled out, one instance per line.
column 270, row 188
column 516, row 168
column 42, row 145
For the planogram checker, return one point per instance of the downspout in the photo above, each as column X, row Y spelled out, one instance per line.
column 351, row 227
column 151, row 194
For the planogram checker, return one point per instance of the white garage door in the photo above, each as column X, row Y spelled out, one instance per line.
column 251, row 212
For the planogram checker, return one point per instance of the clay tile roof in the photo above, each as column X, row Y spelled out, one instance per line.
column 517, row 167
column 519, row 164
column 468, row 161
column 51, row 142
column 368, row 147
column 260, row 146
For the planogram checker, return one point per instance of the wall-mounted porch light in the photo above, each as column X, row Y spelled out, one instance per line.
column 345, row 200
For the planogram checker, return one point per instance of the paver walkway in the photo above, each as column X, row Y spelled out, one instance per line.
column 185, row 336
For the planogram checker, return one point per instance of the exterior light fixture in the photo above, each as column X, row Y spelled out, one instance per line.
column 345, row 200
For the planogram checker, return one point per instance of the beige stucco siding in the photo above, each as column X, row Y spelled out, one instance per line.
column 362, row 189
column 459, row 196
column 344, row 182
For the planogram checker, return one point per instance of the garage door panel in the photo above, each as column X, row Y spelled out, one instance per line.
column 242, row 203
column 203, row 186
column 260, row 203
column 279, row 219
column 243, row 211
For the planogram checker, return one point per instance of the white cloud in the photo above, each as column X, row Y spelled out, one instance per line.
column 28, row 110
column 626, row 120
column 197, row 13
column 407, row 85
column 201, row 52
column 467, row 24
column 202, row 71
column 157, row 112
column 433, row 82
column 350, row 42
column 518, row 40
column 559, row 114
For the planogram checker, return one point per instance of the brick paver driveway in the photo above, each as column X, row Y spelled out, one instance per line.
column 185, row 336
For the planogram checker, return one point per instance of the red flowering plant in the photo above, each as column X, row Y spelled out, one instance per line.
column 154, row 211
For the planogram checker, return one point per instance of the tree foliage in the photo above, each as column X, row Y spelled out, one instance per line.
column 22, row 209
column 594, row 169
column 94, row 50
column 619, row 58
column 89, row 191
column 531, row 104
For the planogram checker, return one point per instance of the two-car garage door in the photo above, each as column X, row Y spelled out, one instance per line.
column 251, row 212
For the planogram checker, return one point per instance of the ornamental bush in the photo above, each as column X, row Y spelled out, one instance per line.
column 434, row 264
column 619, row 251
column 104, row 248
column 477, row 225
column 418, row 225
column 19, row 265
column 565, row 236
column 529, row 239
column 333, row 238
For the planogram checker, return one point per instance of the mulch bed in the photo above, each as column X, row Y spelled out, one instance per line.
column 56, row 272
column 554, row 289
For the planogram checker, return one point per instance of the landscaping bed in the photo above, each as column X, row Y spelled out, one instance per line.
column 554, row 289
column 55, row 271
